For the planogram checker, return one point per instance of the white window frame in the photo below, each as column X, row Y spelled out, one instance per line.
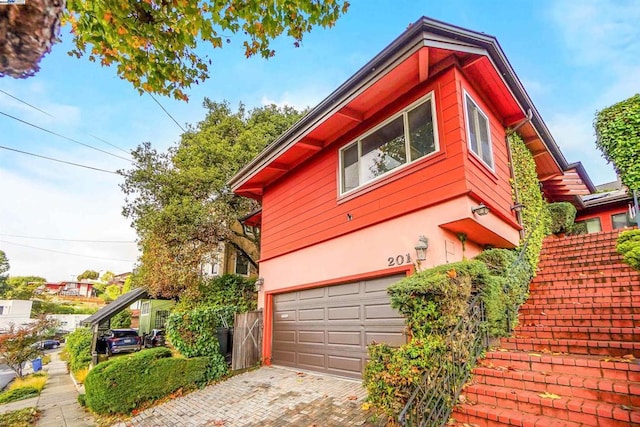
column 145, row 308
column 467, row 98
column 404, row 113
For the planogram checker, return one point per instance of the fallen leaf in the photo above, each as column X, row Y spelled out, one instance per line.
column 626, row 407
column 300, row 374
column 547, row 395
column 352, row 397
column 462, row 398
column 535, row 355
column 366, row 406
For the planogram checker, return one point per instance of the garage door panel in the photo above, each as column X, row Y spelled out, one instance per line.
column 342, row 290
column 311, row 314
column 345, row 338
column 340, row 313
column 312, row 294
column 345, row 364
column 311, row 337
column 327, row 329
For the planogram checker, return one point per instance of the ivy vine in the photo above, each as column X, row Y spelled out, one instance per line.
column 536, row 219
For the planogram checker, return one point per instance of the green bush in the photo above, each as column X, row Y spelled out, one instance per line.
column 226, row 290
column 579, row 228
column 18, row 394
column 78, row 345
column 122, row 319
column 629, row 247
column 122, row 384
column 563, row 214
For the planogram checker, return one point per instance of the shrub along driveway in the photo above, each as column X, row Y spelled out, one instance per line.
column 270, row 397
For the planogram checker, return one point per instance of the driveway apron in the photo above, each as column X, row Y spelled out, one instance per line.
column 269, row 396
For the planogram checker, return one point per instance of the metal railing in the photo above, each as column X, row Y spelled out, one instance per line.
column 432, row 401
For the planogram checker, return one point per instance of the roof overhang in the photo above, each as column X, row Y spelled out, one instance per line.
column 425, row 49
column 110, row 310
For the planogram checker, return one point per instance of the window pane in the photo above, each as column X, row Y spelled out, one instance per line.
column 383, row 150
column 471, row 124
column 350, row 168
column 484, row 140
column 593, row 225
column 620, row 220
column 421, row 138
column 242, row 265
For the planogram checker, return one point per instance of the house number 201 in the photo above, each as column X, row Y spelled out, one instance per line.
column 399, row 260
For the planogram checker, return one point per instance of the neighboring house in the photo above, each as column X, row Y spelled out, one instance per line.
column 153, row 314
column 612, row 208
column 119, row 279
column 235, row 256
column 16, row 312
column 71, row 288
column 68, row 322
column 413, row 145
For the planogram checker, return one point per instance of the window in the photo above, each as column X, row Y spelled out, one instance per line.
column 592, row 225
column 242, row 264
column 620, row 220
column 478, row 133
column 402, row 139
column 161, row 319
column 144, row 309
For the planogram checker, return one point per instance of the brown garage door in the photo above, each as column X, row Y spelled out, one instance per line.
column 328, row 329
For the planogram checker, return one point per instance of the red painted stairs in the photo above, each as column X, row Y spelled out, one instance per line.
column 572, row 360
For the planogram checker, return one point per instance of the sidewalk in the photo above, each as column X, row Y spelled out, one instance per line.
column 58, row 402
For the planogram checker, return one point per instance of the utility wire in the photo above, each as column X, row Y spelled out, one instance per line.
column 58, row 160
column 108, row 143
column 163, row 109
column 26, row 103
column 67, row 240
column 50, row 115
column 65, row 253
column 65, row 137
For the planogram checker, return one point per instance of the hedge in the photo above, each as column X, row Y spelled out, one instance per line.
column 628, row 246
column 78, row 345
column 563, row 214
column 121, row 384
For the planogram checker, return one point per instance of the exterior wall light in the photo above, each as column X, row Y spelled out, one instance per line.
column 481, row 209
column 421, row 248
column 518, row 207
column 259, row 284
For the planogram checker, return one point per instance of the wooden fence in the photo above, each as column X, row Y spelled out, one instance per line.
column 247, row 340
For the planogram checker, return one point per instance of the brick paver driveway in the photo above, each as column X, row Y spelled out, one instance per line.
column 269, row 397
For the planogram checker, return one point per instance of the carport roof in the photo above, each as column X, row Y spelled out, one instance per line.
column 110, row 310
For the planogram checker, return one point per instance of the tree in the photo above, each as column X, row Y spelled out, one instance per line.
column 618, row 137
column 121, row 320
column 89, row 274
column 22, row 287
column 4, row 267
column 179, row 202
column 153, row 42
column 17, row 344
column 107, row 277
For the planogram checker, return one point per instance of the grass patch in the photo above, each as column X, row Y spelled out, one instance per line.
column 36, row 381
column 81, row 374
column 26, row 417
column 18, row 394
column 46, row 359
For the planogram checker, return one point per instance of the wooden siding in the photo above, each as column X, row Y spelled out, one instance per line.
column 304, row 208
column 489, row 186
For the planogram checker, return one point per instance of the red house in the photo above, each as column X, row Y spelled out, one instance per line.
column 612, row 208
column 405, row 154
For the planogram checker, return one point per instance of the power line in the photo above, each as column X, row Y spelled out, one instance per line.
column 108, row 143
column 26, row 103
column 50, row 115
column 58, row 160
column 68, row 240
column 65, row 137
column 163, row 109
column 65, row 253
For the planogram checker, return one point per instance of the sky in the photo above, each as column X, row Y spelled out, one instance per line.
column 573, row 57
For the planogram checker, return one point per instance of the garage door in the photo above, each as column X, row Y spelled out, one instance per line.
column 328, row 329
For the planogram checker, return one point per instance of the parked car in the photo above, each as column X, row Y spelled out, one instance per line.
column 155, row 338
column 121, row 341
column 47, row 344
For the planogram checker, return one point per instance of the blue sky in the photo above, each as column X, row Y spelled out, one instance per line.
column 573, row 58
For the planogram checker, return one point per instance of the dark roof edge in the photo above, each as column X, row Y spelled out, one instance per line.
column 116, row 306
column 400, row 44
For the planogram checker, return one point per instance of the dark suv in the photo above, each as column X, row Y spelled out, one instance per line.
column 121, row 340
